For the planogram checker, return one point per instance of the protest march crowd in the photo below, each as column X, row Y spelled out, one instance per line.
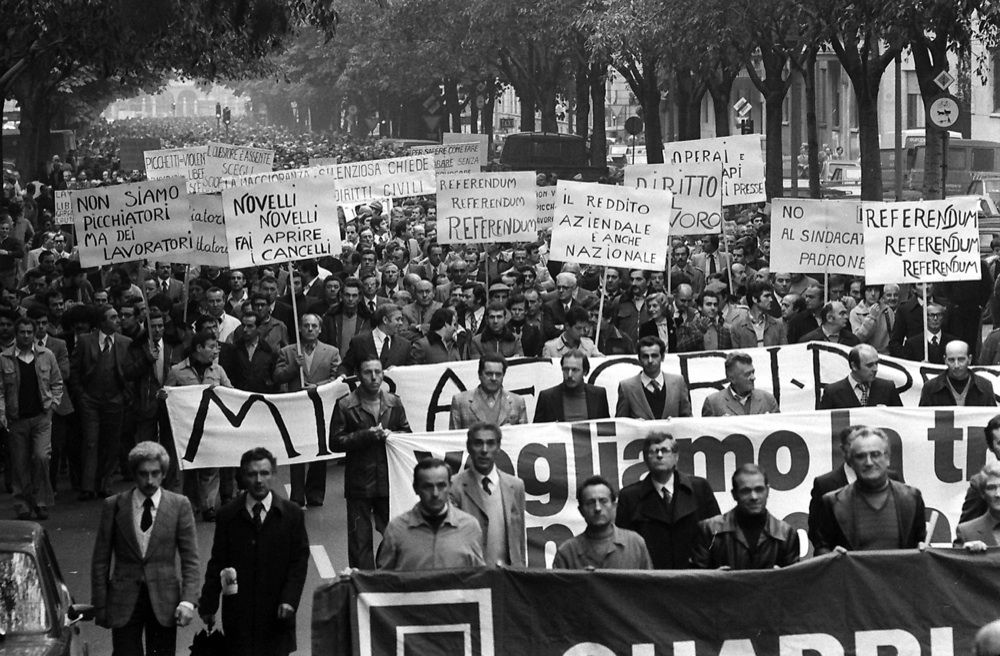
column 89, row 355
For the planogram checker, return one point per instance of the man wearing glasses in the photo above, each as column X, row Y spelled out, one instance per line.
column 666, row 506
column 874, row 512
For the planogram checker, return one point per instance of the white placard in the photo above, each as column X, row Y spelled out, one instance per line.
column 741, row 159
column 461, row 137
column 697, row 189
column 483, row 208
column 228, row 161
column 817, row 236
column 610, row 225
column 188, row 163
column 64, row 207
column 451, row 159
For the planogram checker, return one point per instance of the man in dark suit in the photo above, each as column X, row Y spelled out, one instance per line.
column 493, row 497
column 834, row 480
column 166, row 284
column 98, row 379
column 263, row 538
column 370, row 298
column 143, row 531
column 344, row 324
column 835, row 327
column 382, row 342
column 573, row 399
column 808, row 319
column 874, row 512
column 860, row 388
column 316, row 364
column 554, row 310
column 149, row 362
column 935, row 338
column 653, row 394
column 666, row 506
column 958, row 385
column 975, row 504
column 978, row 534
column 361, row 435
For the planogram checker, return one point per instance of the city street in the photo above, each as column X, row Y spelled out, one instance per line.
column 73, row 525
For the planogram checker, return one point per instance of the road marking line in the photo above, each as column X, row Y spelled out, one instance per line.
column 322, row 560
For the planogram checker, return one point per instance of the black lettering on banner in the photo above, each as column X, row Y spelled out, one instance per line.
column 434, row 407
column 555, row 456
column 840, row 420
column 684, row 358
column 633, row 473
column 818, row 348
column 775, row 380
column 767, row 459
column 539, row 537
column 944, row 434
column 235, row 420
column 583, row 456
column 322, row 435
column 715, row 451
column 982, row 371
column 453, row 458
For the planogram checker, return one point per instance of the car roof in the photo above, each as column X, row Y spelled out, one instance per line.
column 20, row 533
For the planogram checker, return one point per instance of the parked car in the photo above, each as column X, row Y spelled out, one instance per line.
column 548, row 152
column 37, row 613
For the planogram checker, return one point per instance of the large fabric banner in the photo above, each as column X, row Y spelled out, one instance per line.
column 906, row 603
column 935, row 450
column 213, row 426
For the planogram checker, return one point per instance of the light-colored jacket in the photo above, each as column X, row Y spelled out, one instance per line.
column 50, row 381
column 467, row 494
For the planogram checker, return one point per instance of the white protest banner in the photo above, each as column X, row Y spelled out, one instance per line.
column 483, row 208
column 611, row 226
column 188, row 163
column 252, row 179
column 123, row 223
column 697, row 189
column 817, row 236
column 64, row 207
column 741, row 159
column 281, row 221
column 482, row 140
column 212, row 426
column 454, row 158
column 795, row 374
column 935, row 450
column 545, row 207
column 228, row 161
column 363, row 182
column 210, row 246
column 924, row 241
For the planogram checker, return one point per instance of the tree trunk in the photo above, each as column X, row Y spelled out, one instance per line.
column 489, row 105
column 871, row 160
column 547, row 105
column 812, row 129
column 773, row 99
column 720, row 107
column 650, row 101
column 582, row 82
column 527, row 97
column 474, row 110
column 597, row 79
column 930, row 57
column 36, row 118
column 690, row 92
column 453, row 108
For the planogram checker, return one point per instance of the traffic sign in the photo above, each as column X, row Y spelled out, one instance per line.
column 944, row 79
column 633, row 125
column 742, row 107
column 943, row 112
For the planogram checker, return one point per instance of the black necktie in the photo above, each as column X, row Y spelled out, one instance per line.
column 486, row 486
column 107, row 345
column 385, row 348
column 147, row 515
column 711, row 264
column 258, row 521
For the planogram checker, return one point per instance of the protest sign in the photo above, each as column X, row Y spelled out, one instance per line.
column 817, row 236
column 934, row 449
column 281, row 221
column 923, row 241
column 903, row 603
column 252, row 179
column 741, row 159
column 483, row 208
column 214, row 424
column 454, row 158
column 697, row 190
column 545, row 207
column 122, row 223
column 64, row 207
column 209, row 245
column 228, row 161
column 611, row 226
column 362, row 182
column 131, row 149
column 188, row 163
column 482, row 140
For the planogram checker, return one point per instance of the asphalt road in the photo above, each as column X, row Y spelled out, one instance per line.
column 72, row 529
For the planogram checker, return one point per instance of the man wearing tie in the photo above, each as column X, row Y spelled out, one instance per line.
column 143, row 531
column 494, row 498
column 166, row 284
column 861, row 388
column 653, row 394
column 913, row 347
column 383, row 342
column 318, row 363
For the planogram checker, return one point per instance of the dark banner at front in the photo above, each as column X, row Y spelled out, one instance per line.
column 906, row 603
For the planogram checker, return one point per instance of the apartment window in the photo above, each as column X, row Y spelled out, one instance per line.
column 914, row 111
column 995, row 57
column 834, row 70
column 821, row 95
